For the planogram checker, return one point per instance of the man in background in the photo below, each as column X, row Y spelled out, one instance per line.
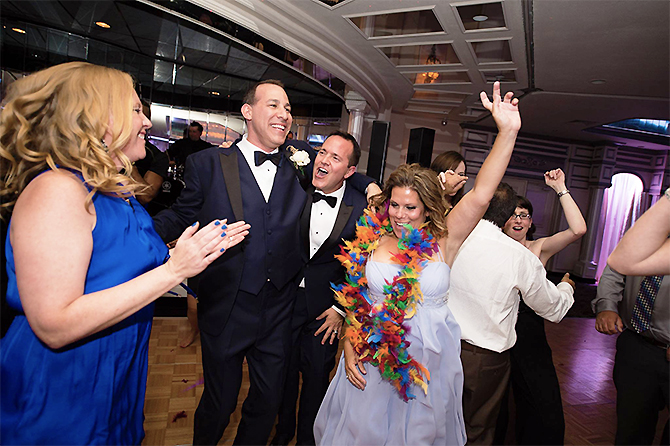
column 151, row 171
column 193, row 143
column 489, row 273
column 638, row 308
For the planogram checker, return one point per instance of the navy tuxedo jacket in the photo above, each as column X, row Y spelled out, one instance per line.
column 323, row 268
column 220, row 184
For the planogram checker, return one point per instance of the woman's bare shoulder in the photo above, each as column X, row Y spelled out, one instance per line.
column 50, row 193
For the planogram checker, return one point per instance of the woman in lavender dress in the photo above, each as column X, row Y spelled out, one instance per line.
column 363, row 405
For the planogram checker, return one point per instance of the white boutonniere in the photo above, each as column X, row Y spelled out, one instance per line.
column 299, row 158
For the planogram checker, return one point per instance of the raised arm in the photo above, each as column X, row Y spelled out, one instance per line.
column 645, row 249
column 51, row 238
column 576, row 224
column 465, row 215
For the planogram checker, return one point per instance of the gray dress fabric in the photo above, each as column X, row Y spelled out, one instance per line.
column 378, row 415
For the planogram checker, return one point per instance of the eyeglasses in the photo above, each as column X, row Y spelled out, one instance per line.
column 521, row 216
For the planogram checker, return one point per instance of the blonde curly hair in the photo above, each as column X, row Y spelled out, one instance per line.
column 56, row 118
column 424, row 182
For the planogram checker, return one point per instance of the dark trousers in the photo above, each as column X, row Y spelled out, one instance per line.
column 259, row 328
column 315, row 362
column 536, row 392
column 641, row 380
column 486, row 375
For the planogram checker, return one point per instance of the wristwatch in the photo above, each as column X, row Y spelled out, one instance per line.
column 563, row 192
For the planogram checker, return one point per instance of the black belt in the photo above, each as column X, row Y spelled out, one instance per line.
column 473, row 348
column 654, row 342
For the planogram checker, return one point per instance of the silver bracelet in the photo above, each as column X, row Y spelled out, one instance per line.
column 563, row 192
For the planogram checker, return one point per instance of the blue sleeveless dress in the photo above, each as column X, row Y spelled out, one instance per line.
column 378, row 415
column 92, row 391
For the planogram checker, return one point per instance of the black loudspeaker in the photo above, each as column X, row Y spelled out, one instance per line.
column 378, row 144
column 420, row 149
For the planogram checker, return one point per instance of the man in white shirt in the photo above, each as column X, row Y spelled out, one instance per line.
column 329, row 215
column 488, row 275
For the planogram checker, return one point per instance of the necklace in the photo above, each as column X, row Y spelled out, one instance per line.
column 378, row 332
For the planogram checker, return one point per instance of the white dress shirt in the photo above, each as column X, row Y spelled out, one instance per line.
column 321, row 223
column 489, row 272
column 265, row 173
column 322, row 220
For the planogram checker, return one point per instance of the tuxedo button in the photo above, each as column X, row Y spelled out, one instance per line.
column 269, row 231
column 268, row 212
column 269, row 253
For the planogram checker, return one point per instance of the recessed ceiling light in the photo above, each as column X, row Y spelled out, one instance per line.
column 103, row 25
column 215, row 93
column 480, row 18
column 598, row 81
column 19, row 30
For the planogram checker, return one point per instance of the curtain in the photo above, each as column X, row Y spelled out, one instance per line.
column 620, row 209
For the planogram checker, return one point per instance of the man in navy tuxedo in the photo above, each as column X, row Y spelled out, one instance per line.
column 330, row 214
column 246, row 296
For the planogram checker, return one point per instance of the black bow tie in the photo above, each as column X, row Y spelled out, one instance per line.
column 332, row 201
column 261, row 157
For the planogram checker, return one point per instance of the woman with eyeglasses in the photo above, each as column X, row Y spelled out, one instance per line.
column 537, row 396
column 450, row 168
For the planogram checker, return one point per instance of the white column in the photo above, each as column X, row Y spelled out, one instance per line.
column 356, row 104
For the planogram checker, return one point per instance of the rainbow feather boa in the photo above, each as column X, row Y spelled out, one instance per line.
column 378, row 333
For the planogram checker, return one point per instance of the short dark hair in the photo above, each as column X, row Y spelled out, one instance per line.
column 523, row 202
column 356, row 153
column 502, row 205
column 250, row 95
column 196, row 124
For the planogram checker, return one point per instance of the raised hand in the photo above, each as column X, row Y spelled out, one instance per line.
column 195, row 250
column 555, row 179
column 505, row 110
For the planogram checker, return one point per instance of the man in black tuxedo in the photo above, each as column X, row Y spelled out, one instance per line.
column 330, row 215
column 246, row 296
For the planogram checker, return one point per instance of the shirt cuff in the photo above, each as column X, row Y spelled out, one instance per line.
column 340, row 312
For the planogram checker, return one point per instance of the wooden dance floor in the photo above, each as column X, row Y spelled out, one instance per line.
column 583, row 357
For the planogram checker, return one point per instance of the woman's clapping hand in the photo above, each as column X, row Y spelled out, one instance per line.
column 197, row 249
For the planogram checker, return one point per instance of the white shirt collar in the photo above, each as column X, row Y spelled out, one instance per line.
column 247, row 148
column 339, row 193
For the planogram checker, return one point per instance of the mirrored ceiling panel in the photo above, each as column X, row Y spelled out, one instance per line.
column 175, row 61
column 482, row 16
column 499, row 75
column 430, row 54
column 492, row 51
column 439, row 77
column 398, row 23
column 439, row 96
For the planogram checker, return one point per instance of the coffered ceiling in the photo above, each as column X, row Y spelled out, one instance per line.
column 576, row 64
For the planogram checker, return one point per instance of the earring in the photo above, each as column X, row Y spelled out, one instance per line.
column 104, row 145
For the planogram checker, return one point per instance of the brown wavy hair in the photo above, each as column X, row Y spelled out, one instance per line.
column 56, row 118
column 446, row 161
column 424, row 182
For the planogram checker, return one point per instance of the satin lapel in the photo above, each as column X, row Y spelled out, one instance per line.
column 231, row 176
column 304, row 223
column 334, row 238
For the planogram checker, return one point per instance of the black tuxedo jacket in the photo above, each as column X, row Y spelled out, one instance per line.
column 323, row 268
column 220, row 184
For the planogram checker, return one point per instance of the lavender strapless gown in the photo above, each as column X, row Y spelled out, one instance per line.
column 378, row 415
